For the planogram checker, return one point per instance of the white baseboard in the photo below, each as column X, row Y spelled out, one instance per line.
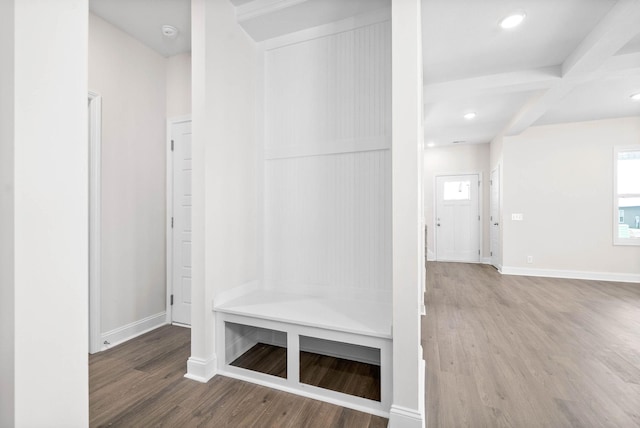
column 134, row 329
column 402, row 417
column 571, row 274
column 201, row 370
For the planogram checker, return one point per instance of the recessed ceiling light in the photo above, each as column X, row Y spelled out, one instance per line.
column 513, row 21
column 636, row 97
column 169, row 31
column 431, row 144
column 470, row 115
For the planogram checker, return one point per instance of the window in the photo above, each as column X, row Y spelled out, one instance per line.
column 457, row 191
column 627, row 195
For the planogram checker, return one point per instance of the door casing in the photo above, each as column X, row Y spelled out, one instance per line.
column 95, row 287
column 171, row 122
column 494, row 217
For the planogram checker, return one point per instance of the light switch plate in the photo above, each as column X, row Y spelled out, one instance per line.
column 517, row 217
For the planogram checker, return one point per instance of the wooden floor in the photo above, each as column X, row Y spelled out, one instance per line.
column 141, row 384
column 336, row 374
column 530, row 352
column 501, row 351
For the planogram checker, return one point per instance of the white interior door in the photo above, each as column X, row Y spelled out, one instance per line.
column 494, row 219
column 181, row 251
column 457, row 218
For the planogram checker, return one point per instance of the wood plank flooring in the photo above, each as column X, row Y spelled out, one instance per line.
column 510, row 351
column 141, row 384
column 501, row 351
column 264, row 358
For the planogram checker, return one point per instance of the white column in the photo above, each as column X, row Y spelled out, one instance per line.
column 202, row 363
column 44, row 199
column 7, row 284
column 407, row 408
column 225, row 183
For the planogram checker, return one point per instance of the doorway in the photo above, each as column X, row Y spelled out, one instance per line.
column 179, row 221
column 457, row 218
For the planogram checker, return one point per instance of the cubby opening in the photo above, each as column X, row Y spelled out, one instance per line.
column 341, row 367
column 257, row 349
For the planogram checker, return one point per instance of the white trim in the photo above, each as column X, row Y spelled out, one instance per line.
column 374, row 17
column 95, row 143
column 169, row 201
column 257, row 8
column 480, row 217
column 402, row 417
column 259, row 156
column 201, row 370
column 127, row 332
column 486, row 260
column 498, row 250
column 616, row 240
column 308, row 391
column 571, row 274
column 350, row 145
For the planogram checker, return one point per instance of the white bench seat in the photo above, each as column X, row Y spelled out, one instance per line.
column 369, row 318
column 332, row 326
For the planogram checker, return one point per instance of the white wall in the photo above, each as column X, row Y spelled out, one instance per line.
column 43, row 198
column 131, row 79
column 178, row 85
column 560, row 177
column 327, row 183
column 225, row 182
column 452, row 160
column 7, row 284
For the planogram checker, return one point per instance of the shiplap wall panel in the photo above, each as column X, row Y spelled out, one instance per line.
column 328, row 221
column 329, row 93
column 327, row 190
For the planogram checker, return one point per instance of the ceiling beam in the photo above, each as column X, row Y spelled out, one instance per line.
column 620, row 66
column 615, row 30
column 257, row 8
column 516, row 81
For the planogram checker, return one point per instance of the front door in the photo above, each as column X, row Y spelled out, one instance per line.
column 181, row 251
column 457, row 218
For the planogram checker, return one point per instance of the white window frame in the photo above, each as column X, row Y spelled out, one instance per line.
column 616, row 209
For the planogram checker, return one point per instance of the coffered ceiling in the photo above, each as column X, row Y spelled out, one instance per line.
column 569, row 60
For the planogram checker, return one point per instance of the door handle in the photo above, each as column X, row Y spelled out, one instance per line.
column 438, row 224
column 495, row 224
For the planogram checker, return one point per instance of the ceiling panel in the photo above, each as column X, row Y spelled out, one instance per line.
column 461, row 38
column 143, row 20
column 444, row 121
